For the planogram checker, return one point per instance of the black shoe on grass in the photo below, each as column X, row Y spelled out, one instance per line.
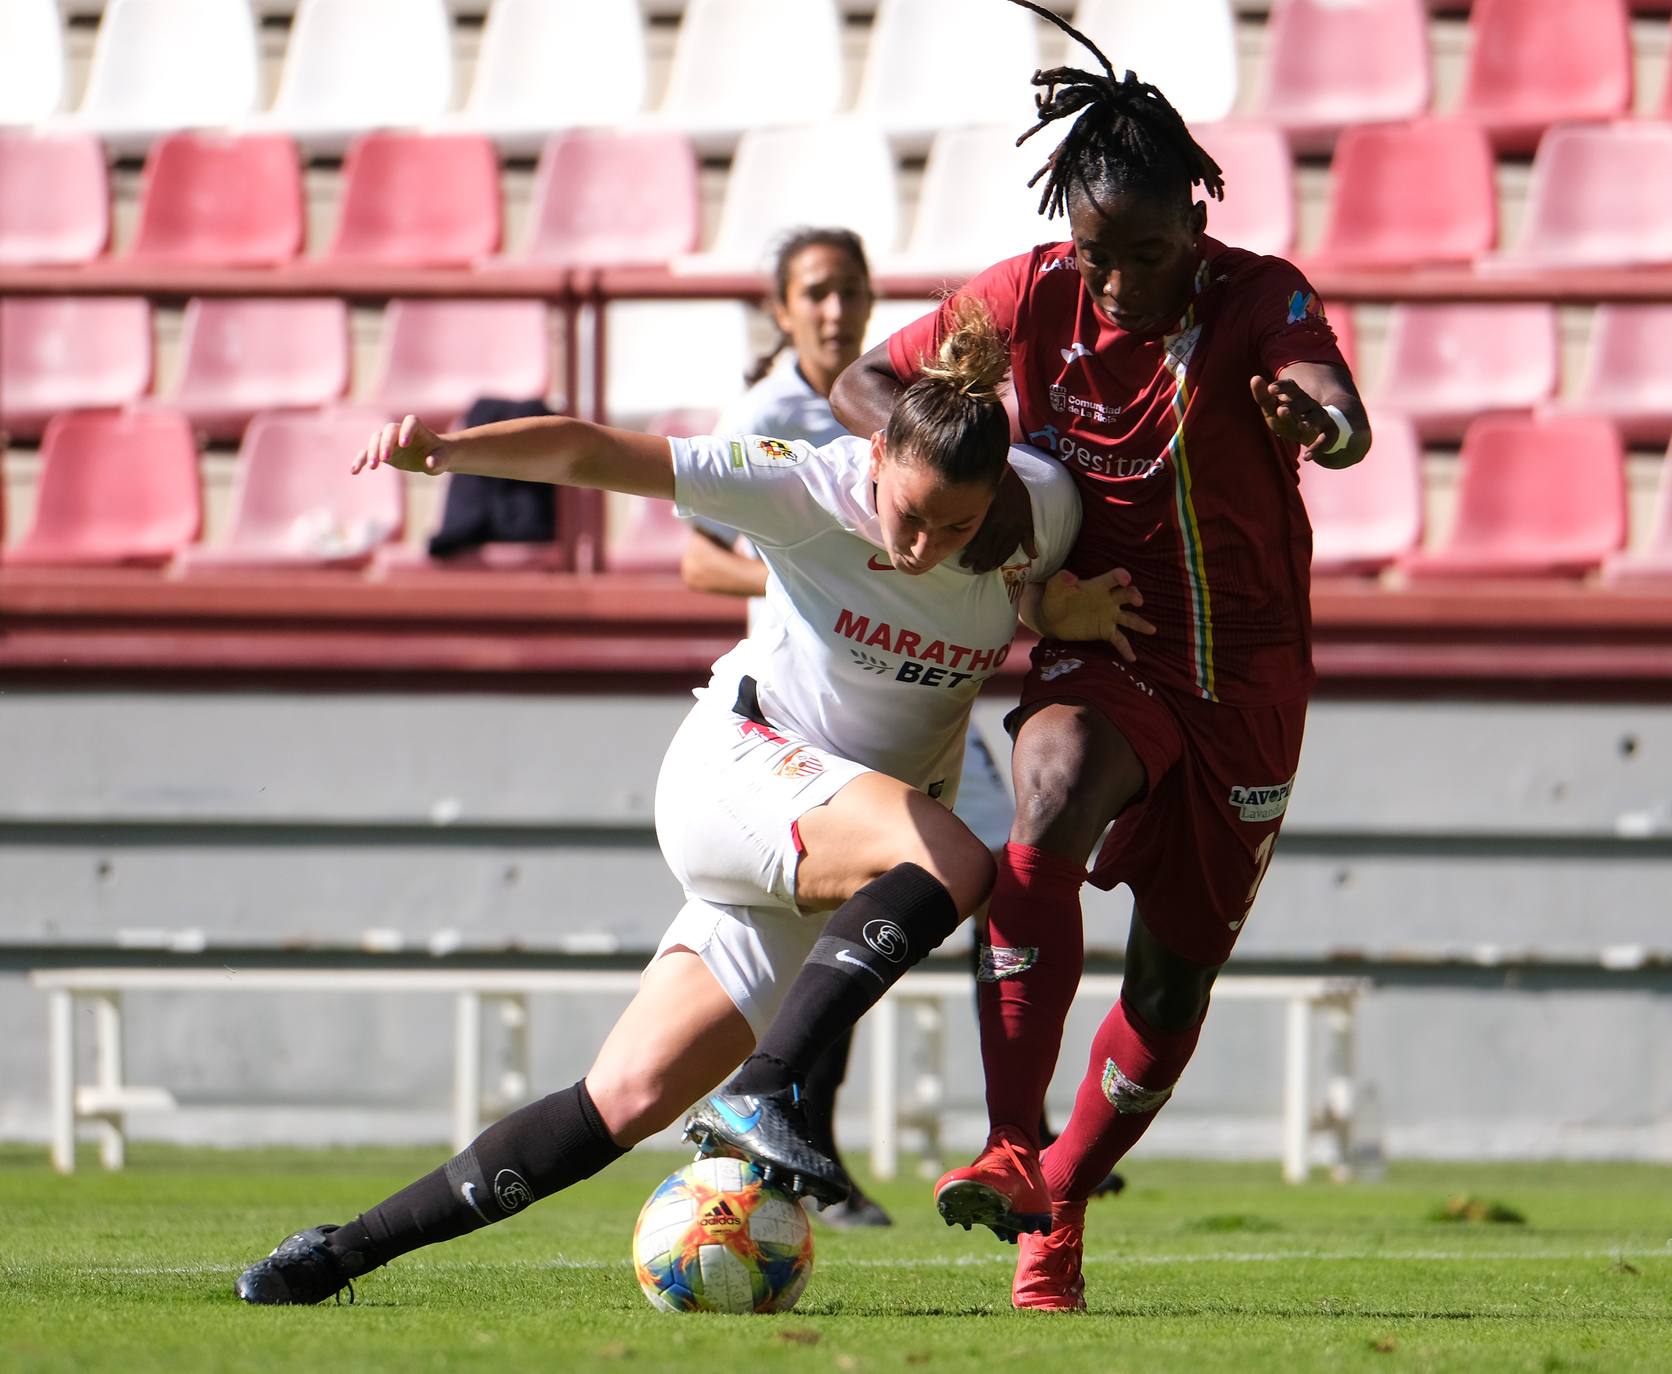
column 303, row 1269
column 769, row 1130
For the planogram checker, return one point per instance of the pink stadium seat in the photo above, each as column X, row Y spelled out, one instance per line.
column 1626, row 376
column 615, row 197
column 1534, row 63
column 1331, row 64
column 1402, row 194
column 222, row 200
column 1651, row 564
column 1366, row 516
column 54, row 198
column 1601, row 196
column 70, row 353
column 1342, row 321
column 241, row 356
column 295, row 503
column 1447, row 364
column 647, row 536
column 419, row 200
column 1258, row 212
column 116, row 487
column 439, row 356
column 1535, row 496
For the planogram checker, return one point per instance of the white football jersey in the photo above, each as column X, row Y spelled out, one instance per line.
column 869, row 663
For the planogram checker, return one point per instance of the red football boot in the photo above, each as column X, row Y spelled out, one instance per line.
column 1048, row 1277
column 1004, row 1189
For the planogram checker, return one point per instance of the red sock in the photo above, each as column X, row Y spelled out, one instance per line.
column 1133, row 1069
column 1028, row 976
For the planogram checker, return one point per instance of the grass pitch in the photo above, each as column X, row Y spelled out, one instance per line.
column 1197, row 1267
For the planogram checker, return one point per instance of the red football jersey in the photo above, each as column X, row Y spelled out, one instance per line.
column 1183, row 484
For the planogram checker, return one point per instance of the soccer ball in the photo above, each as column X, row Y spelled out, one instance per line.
column 714, row 1238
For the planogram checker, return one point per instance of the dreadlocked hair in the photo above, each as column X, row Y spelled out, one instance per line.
column 790, row 247
column 1127, row 136
column 952, row 418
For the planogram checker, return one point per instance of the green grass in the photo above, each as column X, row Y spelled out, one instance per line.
column 1197, row 1267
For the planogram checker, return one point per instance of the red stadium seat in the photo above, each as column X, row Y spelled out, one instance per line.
column 1366, row 516
column 1535, row 496
column 615, row 197
column 1625, row 375
column 1601, row 196
column 1447, row 364
column 70, row 353
column 1403, row 194
column 54, row 198
column 1258, row 212
column 221, row 200
column 240, row 356
column 1331, row 64
column 1652, row 563
column 1534, row 63
column 295, row 502
column 116, row 487
column 419, row 200
column 439, row 355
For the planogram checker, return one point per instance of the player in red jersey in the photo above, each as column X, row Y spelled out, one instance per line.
column 1181, row 382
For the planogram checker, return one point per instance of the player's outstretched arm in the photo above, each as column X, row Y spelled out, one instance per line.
column 1095, row 608
column 540, row 448
column 1308, row 404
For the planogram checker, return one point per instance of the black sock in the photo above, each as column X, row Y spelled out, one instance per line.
column 537, row 1150
column 818, row 1093
column 868, row 943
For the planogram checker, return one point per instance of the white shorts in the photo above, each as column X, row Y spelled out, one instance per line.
column 727, row 801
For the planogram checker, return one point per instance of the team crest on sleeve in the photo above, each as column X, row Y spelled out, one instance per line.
column 1305, row 305
column 770, row 453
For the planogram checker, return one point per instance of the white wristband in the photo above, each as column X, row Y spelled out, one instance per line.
column 1343, row 430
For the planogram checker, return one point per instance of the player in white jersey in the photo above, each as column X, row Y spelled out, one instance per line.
column 802, row 804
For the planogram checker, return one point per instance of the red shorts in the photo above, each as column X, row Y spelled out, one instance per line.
column 1194, row 848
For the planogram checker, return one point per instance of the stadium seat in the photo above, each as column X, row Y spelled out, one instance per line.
column 643, row 535
column 31, row 61
column 611, row 197
column 672, row 355
column 1625, row 375
column 221, row 200
column 838, row 172
column 240, row 356
column 356, row 65
column 1404, row 194
column 1600, row 196
column 977, row 73
column 975, row 206
column 1258, row 212
column 1535, row 496
column 1534, row 63
column 294, row 501
column 418, row 200
column 1187, row 48
column 1366, row 516
column 1448, row 363
column 54, row 198
column 1331, row 64
column 160, row 65
column 746, row 64
column 440, row 355
column 544, row 66
column 115, row 487
column 61, row 353
column 1651, row 564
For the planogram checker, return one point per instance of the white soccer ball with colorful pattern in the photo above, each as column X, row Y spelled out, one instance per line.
column 714, row 1238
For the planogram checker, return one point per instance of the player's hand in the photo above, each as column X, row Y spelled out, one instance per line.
column 1095, row 608
column 1293, row 415
column 409, row 444
column 1008, row 526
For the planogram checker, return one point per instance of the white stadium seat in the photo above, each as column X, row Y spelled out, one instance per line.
column 1186, row 48
column 672, row 355
column 31, row 61
column 976, row 207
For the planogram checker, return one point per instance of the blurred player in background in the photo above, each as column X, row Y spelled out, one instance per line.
column 1181, row 382
column 814, row 775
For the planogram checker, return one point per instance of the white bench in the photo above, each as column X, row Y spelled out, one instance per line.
column 109, row 1098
